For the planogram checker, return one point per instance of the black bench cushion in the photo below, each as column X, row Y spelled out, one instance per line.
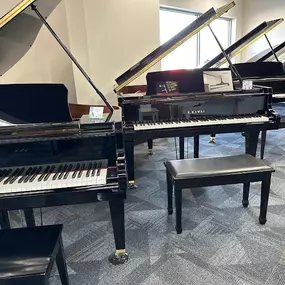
column 27, row 251
column 216, row 166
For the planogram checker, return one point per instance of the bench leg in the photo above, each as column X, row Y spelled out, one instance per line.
column 61, row 264
column 169, row 194
column 178, row 205
column 265, row 189
column 245, row 194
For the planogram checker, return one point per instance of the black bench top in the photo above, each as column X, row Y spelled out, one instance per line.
column 27, row 251
column 216, row 166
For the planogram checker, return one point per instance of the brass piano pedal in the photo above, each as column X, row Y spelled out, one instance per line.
column 212, row 140
column 132, row 185
column 150, row 151
column 119, row 257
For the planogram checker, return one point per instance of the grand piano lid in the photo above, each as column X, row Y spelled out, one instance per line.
column 166, row 48
column 267, row 54
column 11, row 11
column 244, row 42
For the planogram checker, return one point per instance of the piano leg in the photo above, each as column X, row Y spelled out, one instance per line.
column 263, row 142
column 251, row 141
column 196, row 146
column 150, row 146
column 30, row 217
column 129, row 152
column 4, row 220
column 118, row 221
column 181, row 147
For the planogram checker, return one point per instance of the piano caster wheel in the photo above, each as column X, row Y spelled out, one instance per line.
column 118, row 258
column 262, row 221
column 245, row 204
column 212, row 140
column 150, row 152
column 132, row 185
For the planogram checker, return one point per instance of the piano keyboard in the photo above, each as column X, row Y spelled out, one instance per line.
column 53, row 176
column 200, row 121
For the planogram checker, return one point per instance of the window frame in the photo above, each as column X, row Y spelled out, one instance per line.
column 197, row 14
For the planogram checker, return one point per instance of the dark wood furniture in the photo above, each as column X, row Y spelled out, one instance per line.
column 27, row 255
column 213, row 171
column 78, row 110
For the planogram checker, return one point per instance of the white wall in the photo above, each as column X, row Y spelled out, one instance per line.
column 107, row 37
column 45, row 62
column 257, row 11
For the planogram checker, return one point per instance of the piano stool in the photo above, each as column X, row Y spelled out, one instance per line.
column 213, row 171
column 27, row 255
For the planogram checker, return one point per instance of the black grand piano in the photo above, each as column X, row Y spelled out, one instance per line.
column 180, row 107
column 88, row 165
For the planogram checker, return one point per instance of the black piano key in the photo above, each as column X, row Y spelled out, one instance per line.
column 5, row 174
column 94, row 169
column 11, row 176
column 63, row 171
column 26, row 174
column 57, row 172
column 67, row 171
column 44, row 173
column 81, row 170
column 33, row 177
column 89, row 169
column 17, row 175
column 49, row 173
column 76, row 170
column 27, row 178
column 99, row 169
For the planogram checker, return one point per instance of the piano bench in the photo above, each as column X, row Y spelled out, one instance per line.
column 27, row 255
column 203, row 172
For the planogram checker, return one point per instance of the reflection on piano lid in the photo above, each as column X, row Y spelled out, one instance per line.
column 267, row 54
column 34, row 103
column 186, row 80
column 269, row 74
column 14, row 11
column 244, row 43
column 163, row 50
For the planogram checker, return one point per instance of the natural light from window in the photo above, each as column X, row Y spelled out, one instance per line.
column 197, row 50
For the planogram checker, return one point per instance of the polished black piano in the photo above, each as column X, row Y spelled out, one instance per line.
column 176, row 104
column 49, row 159
column 89, row 165
column 193, row 113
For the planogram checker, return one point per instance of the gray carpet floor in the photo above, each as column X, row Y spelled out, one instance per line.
column 221, row 243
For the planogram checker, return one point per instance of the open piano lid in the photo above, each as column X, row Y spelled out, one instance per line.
column 244, row 42
column 166, row 48
column 13, row 10
column 267, row 55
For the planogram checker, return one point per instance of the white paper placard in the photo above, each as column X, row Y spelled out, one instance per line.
column 247, row 84
column 96, row 112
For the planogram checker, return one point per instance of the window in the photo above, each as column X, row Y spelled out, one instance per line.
column 198, row 49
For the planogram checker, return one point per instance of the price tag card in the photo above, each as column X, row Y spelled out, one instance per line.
column 96, row 112
column 247, row 84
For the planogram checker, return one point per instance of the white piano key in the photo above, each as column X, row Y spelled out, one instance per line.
column 50, row 183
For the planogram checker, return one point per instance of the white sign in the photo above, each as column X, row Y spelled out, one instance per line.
column 96, row 112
